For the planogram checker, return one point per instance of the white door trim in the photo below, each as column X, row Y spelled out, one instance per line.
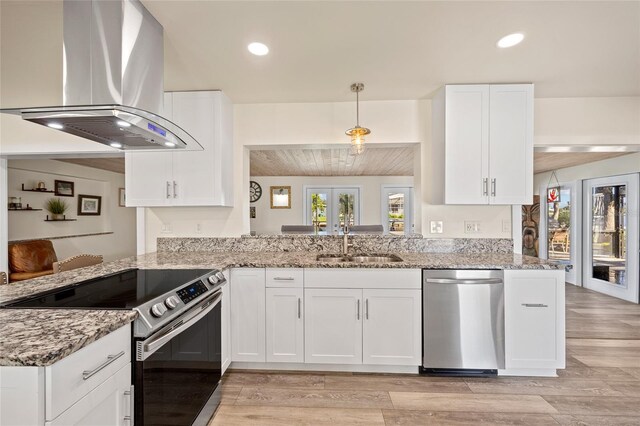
column 4, row 221
column 329, row 188
column 409, row 216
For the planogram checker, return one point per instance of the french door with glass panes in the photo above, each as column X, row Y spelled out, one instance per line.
column 560, row 228
column 328, row 208
column 610, row 236
column 397, row 209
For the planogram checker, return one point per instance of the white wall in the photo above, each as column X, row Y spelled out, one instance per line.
column 609, row 167
column 31, row 225
column 268, row 220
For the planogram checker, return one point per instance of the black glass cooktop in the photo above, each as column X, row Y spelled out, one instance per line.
column 122, row 290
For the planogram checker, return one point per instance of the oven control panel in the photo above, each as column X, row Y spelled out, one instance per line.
column 190, row 292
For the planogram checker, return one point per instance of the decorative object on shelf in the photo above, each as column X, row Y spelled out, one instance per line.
column 41, row 186
column 280, row 197
column 122, row 201
column 357, row 133
column 15, row 203
column 252, row 212
column 36, row 189
column 255, row 191
column 553, row 192
column 63, row 188
column 56, row 207
column 89, row 205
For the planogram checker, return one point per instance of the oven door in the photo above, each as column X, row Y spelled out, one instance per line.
column 178, row 369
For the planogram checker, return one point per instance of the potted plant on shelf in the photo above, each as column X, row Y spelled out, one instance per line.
column 56, row 207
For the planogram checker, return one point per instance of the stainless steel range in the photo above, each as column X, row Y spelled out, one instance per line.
column 176, row 338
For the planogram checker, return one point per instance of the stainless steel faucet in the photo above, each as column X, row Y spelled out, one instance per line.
column 345, row 240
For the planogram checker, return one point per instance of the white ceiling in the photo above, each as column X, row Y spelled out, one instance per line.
column 400, row 50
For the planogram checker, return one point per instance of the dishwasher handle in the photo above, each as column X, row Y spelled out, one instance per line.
column 464, row 280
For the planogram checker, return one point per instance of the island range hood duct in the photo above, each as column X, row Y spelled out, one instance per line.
column 112, row 79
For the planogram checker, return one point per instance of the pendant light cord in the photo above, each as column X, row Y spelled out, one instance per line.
column 358, row 108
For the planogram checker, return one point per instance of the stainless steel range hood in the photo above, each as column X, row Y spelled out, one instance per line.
column 112, row 79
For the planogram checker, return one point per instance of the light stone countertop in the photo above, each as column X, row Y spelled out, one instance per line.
column 44, row 336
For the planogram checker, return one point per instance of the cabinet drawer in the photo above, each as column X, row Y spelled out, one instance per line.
column 363, row 278
column 65, row 381
column 285, row 277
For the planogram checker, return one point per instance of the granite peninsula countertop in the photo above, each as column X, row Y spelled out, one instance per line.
column 40, row 337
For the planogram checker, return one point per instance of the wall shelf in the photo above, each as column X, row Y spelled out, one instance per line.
column 60, row 220
column 51, row 191
column 25, row 210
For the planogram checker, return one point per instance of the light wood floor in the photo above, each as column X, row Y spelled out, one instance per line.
column 601, row 385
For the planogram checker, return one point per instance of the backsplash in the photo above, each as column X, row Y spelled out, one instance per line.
column 333, row 244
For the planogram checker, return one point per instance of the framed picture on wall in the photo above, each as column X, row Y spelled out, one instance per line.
column 63, row 188
column 280, row 197
column 89, row 205
column 122, row 202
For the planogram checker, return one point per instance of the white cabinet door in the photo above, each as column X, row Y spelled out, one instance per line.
column 108, row 404
column 511, row 143
column 392, row 328
column 467, row 144
column 194, row 173
column 285, row 325
column 248, row 314
column 226, row 324
column 534, row 319
column 333, row 326
column 148, row 179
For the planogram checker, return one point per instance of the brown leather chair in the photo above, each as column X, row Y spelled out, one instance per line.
column 31, row 259
column 75, row 262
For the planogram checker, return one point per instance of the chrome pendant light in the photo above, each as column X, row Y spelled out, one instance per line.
column 357, row 133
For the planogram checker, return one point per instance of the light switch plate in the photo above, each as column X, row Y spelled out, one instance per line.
column 436, row 227
column 471, row 226
column 166, row 228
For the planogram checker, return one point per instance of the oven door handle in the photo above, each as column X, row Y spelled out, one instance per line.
column 146, row 349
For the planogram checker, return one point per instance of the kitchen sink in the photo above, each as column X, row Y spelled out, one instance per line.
column 359, row 258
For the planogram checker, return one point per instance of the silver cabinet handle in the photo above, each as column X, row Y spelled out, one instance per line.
column 110, row 359
column 366, row 308
column 175, row 189
column 130, row 394
column 283, row 278
column 299, row 307
column 535, row 305
column 485, row 186
column 493, row 187
column 358, row 310
column 168, row 189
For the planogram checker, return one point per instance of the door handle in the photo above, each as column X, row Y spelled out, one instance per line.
column 485, row 186
column 168, row 189
column 535, row 305
column 493, row 187
column 175, row 189
column 358, row 310
column 366, row 308
column 299, row 307
column 110, row 359
column 130, row 394
column 283, row 278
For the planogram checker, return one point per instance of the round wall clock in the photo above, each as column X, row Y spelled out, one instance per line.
column 255, row 191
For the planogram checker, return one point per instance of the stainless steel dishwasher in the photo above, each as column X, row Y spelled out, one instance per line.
column 463, row 322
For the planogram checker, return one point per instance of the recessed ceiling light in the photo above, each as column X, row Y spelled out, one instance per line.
column 116, row 145
column 510, row 40
column 55, row 126
column 123, row 123
column 169, row 144
column 258, row 49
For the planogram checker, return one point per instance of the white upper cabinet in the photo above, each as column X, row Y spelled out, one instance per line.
column 187, row 178
column 483, row 144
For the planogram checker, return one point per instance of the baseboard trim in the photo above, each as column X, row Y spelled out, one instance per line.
column 533, row 372
column 356, row 368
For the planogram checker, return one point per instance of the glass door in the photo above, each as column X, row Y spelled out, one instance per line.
column 328, row 208
column 397, row 210
column 611, row 236
column 560, row 224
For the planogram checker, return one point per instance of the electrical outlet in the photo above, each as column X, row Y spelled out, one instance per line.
column 471, row 226
column 436, row 227
column 506, row 226
column 166, row 228
column 198, row 228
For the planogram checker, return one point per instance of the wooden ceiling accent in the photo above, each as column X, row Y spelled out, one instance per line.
column 548, row 161
column 332, row 162
column 115, row 165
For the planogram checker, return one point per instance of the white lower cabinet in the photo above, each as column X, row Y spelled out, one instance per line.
column 534, row 319
column 285, row 325
column 392, row 330
column 109, row 404
column 248, row 315
column 333, row 326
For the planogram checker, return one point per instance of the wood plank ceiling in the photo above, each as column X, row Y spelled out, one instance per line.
column 115, row 165
column 547, row 161
column 332, row 162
